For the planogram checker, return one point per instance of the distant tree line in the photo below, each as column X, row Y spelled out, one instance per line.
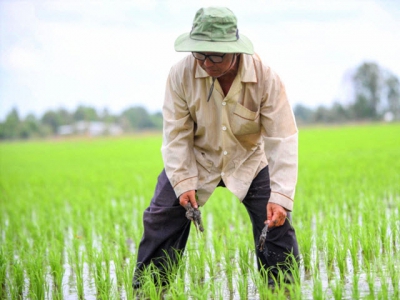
column 80, row 121
column 375, row 97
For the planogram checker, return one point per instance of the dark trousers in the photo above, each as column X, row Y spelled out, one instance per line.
column 166, row 229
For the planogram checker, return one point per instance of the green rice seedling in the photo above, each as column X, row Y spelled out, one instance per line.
column 181, row 270
column 102, row 278
column 218, row 246
column 395, row 231
column 294, row 291
column 38, row 285
column 258, row 281
column 261, row 284
column 366, row 243
column 319, row 252
column 55, row 260
column 119, row 265
column 229, row 267
column 383, row 231
column 127, row 270
column 123, row 245
column 150, row 287
column 179, row 284
column 287, row 281
column 17, row 280
column 3, row 272
column 317, row 289
column 283, row 293
column 76, row 243
column 369, row 235
column 355, row 293
column 177, row 292
column 243, row 286
column 150, row 291
column 331, row 244
column 384, row 279
column 196, row 268
column 318, row 292
column 216, row 289
column 343, row 244
column 211, row 265
column 201, row 262
column 354, row 248
column 201, row 291
column 279, row 290
column 394, row 274
column 337, row 288
column 77, row 263
column 341, row 255
column 154, row 279
column 87, row 234
column 305, row 240
column 244, row 261
column 292, row 269
column 371, row 277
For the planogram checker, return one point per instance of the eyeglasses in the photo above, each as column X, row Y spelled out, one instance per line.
column 213, row 58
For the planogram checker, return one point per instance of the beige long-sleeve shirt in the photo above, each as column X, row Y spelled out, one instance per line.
column 231, row 137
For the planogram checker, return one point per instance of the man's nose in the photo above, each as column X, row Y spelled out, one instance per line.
column 208, row 62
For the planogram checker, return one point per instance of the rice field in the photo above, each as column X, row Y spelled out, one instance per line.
column 71, row 221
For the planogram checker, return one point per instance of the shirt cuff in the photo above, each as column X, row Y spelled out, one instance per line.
column 185, row 185
column 282, row 200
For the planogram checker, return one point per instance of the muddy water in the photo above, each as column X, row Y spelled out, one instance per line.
column 307, row 284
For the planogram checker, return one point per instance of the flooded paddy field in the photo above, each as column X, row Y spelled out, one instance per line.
column 71, row 221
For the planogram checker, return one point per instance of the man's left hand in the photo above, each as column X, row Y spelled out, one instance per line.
column 276, row 215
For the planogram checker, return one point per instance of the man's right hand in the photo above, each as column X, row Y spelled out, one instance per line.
column 189, row 196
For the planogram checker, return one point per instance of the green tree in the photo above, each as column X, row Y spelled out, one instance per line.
column 107, row 117
column 157, row 120
column 136, row 118
column 339, row 112
column 52, row 119
column 30, row 127
column 393, row 95
column 368, row 84
column 64, row 116
column 11, row 127
column 322, row 115
column 303, row 113
column 85, row 113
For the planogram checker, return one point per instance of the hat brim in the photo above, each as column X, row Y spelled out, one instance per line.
column 186, row 44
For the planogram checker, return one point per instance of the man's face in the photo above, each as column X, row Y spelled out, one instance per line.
column 214, row 69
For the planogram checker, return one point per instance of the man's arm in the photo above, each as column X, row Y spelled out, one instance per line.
column 177, row 148
column 281, row 143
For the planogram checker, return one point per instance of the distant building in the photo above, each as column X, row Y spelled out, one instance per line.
column 90, row 129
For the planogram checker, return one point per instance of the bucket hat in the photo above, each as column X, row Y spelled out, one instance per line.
column 214, row 30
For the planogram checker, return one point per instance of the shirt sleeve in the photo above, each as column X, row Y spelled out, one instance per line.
column 177, row 147
column 281, row 142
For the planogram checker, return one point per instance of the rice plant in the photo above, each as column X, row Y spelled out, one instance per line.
column 71, row 221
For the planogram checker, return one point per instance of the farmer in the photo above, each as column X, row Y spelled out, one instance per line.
column 227, row 123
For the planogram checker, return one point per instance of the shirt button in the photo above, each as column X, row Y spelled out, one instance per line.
column 222, row 174
column 224, row 103
column 223, row 127
column 225, row 152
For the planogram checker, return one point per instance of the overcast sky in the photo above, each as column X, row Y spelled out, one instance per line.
column 117, row 54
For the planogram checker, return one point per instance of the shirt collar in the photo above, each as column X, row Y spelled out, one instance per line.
column 246, row 69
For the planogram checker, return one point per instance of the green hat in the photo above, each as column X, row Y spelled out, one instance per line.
column 214, row 30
